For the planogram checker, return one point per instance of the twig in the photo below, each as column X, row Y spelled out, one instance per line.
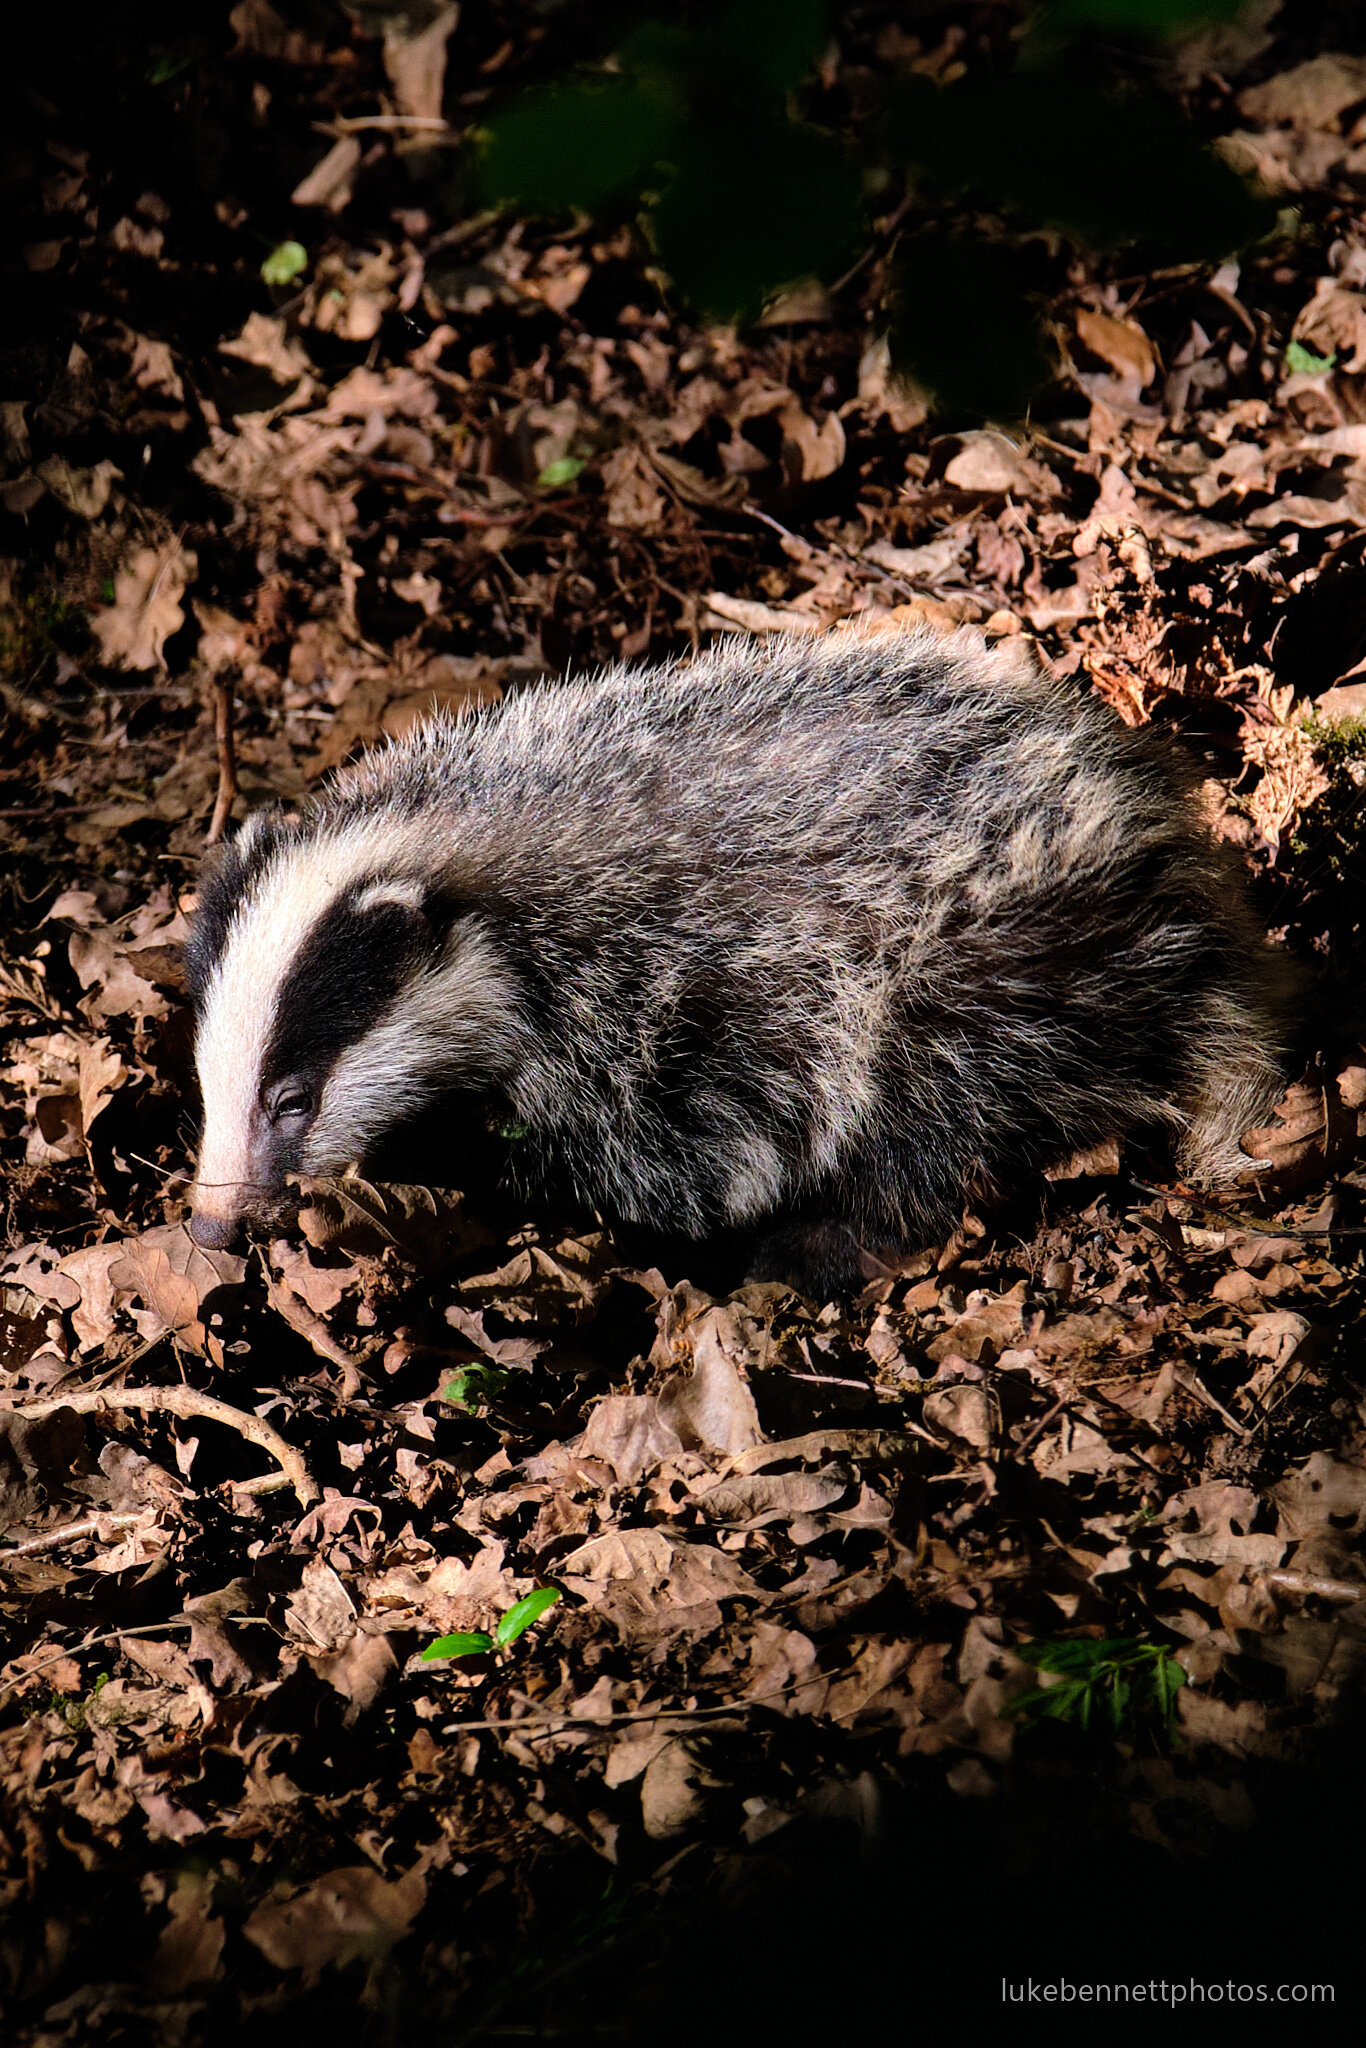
column 70, row 1532
column 356, row 124
column 1193, row 1384
column 1250, row 1226
column 306, row 1324
column 226, row 745
column 552, row 1724
column 1309, row 1582
column 186, row 1403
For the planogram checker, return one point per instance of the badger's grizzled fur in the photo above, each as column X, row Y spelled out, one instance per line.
column 828, row 930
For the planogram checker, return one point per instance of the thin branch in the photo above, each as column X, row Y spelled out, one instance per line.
column 1249, row 1226
column 70, row 1532
column 357, row 124
column 562, row 1724
column 226, row 745
column 189, row 1405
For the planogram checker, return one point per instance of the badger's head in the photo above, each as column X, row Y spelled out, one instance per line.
column 339, row 986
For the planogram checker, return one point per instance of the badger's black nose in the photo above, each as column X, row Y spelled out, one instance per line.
column 215, row 1233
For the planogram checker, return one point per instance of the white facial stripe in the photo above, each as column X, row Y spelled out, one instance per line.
column 460, row 1013
column 266, row 935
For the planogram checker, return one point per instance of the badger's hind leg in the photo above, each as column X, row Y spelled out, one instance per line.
column 1238, row 1075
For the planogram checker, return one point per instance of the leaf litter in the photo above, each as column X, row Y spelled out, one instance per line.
column 1098, row 1463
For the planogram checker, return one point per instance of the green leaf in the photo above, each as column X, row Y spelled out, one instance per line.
column 963, row 326
column 519, row 1618
column 284, row 263
column 1104, row 168
column 170, row 65
column 464, row 1643
column 1303, row 362
column 754, row 205
column 576, row 145
column 562, row 472
column 1115, row 1681
column 474, row 1386
column 1153, row 18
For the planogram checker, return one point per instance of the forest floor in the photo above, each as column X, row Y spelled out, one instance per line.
column 1028, row 1586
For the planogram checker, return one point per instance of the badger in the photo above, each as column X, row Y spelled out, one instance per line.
column 810, row 940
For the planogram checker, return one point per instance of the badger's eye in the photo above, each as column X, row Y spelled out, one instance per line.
column 288, row 1100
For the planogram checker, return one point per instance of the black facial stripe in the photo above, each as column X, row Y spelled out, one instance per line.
column 342, row 981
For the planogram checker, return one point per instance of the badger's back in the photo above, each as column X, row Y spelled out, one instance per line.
column 848, row 924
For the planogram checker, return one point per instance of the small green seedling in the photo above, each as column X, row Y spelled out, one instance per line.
column 470, row 1642
column 1114, row 1682
column 562, row 472
column 1301, row 361
column 284, row 263
column 474, row 1386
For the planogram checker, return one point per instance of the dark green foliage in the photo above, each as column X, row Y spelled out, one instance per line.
column 1111, row 1684
column 701, row 130
column 1104, row 168
column 578, row 145
column 798, row 212
column 1149, row 18
column 962, row 326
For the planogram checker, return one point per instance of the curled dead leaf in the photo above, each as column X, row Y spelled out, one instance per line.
column 146, row 611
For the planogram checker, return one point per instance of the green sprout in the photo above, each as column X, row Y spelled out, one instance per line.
column 471, row 1642
column 474, row 1386
column 1113, row 1682
column 1302, row 361
column 284, row 263
column 562, row 472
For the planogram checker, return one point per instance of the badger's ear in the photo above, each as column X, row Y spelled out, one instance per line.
column 397, row 892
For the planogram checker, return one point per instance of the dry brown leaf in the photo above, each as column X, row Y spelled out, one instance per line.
column 329, row 182
column 724, row 613
column 753, row 1501
column 1334, row 323
column 671, row 1791
column 1123, row 345
column 351, row 1915
column 810, row 452
column 321, row 1615
column 266, row 342
column 1314, row 94
column 883, row 392
column 102, row 1071
column 416, row 61
column 1325, row 1491
column 1223, row 1514
column 190, row 1946
column 83, row 491
column 114, row 987
column 1312, row 1132
column 146, row 611
column 630, row 1434
column 152, row 367
column 986, row 461
column 634, row 500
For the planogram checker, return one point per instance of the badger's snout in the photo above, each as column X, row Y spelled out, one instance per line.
column 215, row 1233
